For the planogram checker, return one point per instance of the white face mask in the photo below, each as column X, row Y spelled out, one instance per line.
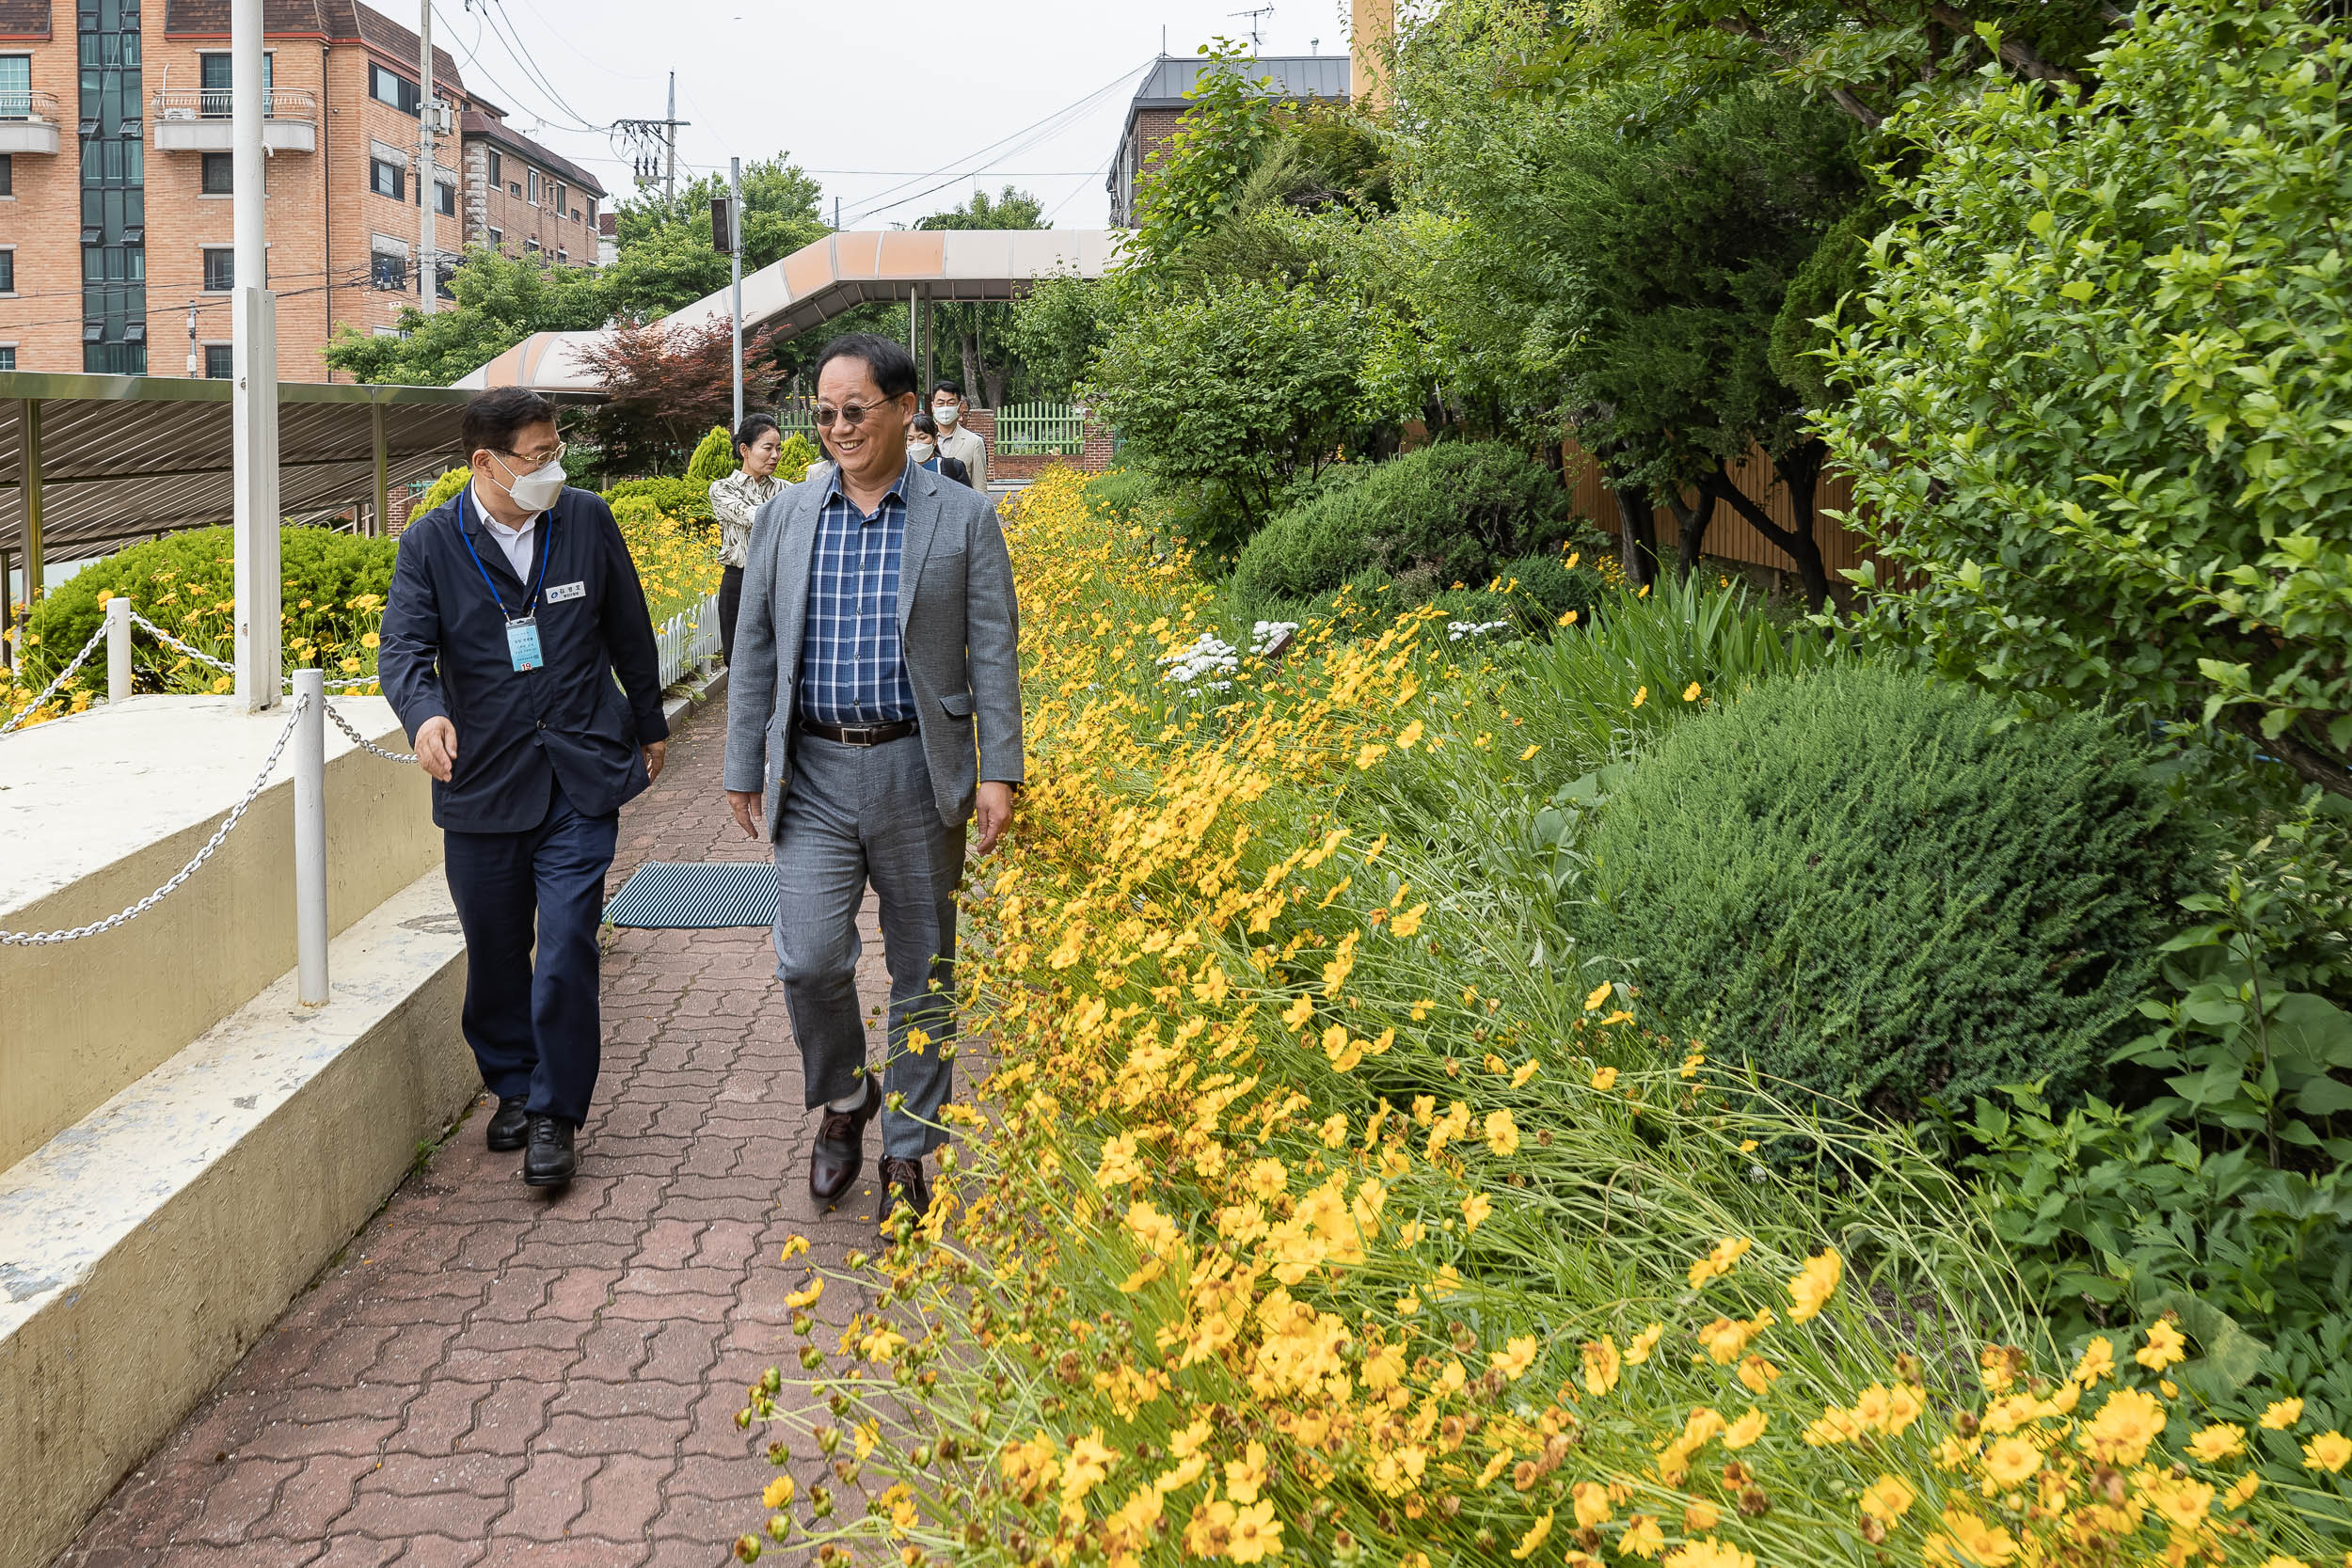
column 920, row 450
column 946, row 412
column 537, row 490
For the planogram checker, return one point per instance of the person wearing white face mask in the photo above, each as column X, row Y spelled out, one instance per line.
column 923, row 451
column 948, row 408
column 511, row 609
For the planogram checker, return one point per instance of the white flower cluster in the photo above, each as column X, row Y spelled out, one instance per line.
column 1265, row 634
column 1457, row 630
column 1207, row 655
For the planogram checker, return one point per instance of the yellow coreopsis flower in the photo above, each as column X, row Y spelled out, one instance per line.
column 1642, row 1537
column 2330, row 1452
column 1744, row 1431
column 2124, row 1427
column 1255, row 1533
column 2164, row 1348
column 1643, row 1343
column 806, row 1297
column 1503, row 1133
column 1410, row 736
column 2009, row 1461
column 1757, row 1374
column 2097, row 1361
column 1590, row 1501
column 1641, row 696
column 2281, row 1414
column 1691, row 692
column 2212, row 1444
column 793, row 1247
column 1602, row 1365
column 1887, row 1499
column 1518, row 1354
column 1245, row 1476
column 1475, row 1208
column 1710, row 1553
column 1604, row 1079
column 1812, row 1286
column 1532, row 1539
column 1406, row 924
column 1728, row 1252
column 779, row 1493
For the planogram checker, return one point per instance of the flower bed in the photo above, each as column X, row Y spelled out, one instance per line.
column 1329, row 1211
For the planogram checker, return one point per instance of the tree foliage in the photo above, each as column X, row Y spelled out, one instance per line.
column 982, row 333
column 665, row 259
column 499, row 302
column 2103, row 381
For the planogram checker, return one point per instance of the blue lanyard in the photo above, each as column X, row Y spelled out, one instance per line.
column 547, row 548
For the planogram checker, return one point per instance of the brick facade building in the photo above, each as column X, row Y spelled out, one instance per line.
column 116, row 223
column 1161, row 103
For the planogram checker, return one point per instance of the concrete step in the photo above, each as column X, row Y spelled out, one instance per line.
column 146, row 1246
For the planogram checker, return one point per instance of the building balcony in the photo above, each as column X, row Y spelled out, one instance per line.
column 201, row 122
column 29, row 122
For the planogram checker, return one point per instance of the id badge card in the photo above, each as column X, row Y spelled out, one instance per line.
column 522, row 642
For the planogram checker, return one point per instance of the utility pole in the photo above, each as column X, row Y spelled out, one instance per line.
column 428, row 195
column 735, row 273
column 669, row 177
column 253, row 420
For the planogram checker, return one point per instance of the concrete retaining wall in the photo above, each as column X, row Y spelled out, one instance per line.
column 145, row 1248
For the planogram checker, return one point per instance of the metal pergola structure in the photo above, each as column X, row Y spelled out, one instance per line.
column 91, row 462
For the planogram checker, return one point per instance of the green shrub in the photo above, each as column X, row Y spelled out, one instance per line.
column 1861, row 882
column 680, row 498
column 1545, row 587
column 714, row 458
column 1125, row 493
column 1448, row 514
column 334, row 586
column 794, row 461
column 441, row 489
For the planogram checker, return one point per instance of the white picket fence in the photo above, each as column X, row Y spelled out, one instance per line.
column 688, row 640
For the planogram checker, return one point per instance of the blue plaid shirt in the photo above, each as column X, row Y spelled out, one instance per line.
column 851, row 668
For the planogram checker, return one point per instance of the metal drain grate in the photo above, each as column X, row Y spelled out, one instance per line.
column 696, row 895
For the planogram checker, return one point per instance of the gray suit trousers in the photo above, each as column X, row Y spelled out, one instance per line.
column 855, row 813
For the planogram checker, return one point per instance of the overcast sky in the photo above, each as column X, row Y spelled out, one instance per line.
column 869, row 98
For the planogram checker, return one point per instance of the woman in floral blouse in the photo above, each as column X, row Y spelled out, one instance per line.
column 735, row 501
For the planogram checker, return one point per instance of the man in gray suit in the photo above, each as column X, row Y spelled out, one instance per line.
column 877, row 625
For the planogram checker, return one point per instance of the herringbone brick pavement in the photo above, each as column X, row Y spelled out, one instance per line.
column 492, row 1376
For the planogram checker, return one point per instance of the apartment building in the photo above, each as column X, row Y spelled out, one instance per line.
column 117, row 175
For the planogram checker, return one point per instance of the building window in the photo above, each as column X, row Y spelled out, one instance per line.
column 490, row 169
column 530, row 246
column 7, row 357
column 388, row 270
column 563, row 256
column 7, row 176
column 498, row 241
column 514, row 190
column 220, row 269
column 386, row 178
column 389, row 87
column 561, row 200
column 220, row 362
column 220, row 173
column 445, row 199
column 16, row 86
column 7, row 272
column 592, row 211
column 530, row 185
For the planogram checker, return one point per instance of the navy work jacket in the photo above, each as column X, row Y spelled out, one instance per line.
column 444, row 654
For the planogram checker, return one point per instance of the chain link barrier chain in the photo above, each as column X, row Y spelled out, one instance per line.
column 45, row 938
column 63, row 676
column 202, row 658
column 363, row 742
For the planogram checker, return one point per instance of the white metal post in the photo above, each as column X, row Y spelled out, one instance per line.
column 254, row 419
column 309, row 817
column 734, row 269
column 428, row 189
column 118, row 648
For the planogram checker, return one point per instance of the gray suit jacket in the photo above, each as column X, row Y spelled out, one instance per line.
column 958, row 626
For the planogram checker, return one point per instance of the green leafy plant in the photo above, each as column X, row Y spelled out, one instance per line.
column 1447, row 514
column 793, row 462
column 2100, row 386
column 686, row 498
column 1867, row 885
column 440, row 490
column 714, row 458
column 1546, row 589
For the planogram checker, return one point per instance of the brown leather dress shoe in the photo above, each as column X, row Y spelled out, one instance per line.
column 902, row 1182
column 841, row 1152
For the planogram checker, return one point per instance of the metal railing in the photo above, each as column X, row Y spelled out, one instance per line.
column 688, row 640
column 220, row 104
column 1040, row 430
column 20, row 103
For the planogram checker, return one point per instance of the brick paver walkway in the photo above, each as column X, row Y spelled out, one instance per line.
column 490, row 1376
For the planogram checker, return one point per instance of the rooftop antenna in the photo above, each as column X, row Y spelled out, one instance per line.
column 1257, row 23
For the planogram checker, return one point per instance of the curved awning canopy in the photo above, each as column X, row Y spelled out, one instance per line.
column 819, row 281
column 118, row 458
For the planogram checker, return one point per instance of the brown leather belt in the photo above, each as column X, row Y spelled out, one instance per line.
column 859, row 734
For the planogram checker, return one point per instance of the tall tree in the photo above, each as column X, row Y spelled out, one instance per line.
column 974, row 325
column 665, row 257
column 499, row 302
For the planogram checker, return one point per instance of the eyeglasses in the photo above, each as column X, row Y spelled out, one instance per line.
column 850, row 414
column 542, row 458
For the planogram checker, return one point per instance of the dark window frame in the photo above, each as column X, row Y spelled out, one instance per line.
column 383, row 171
column 445, row 198
column 223, row 163
column 8, row 175
column 220, row 269
column 220, row 361
column 7, row 357
column 405, row 96
column 7, row 269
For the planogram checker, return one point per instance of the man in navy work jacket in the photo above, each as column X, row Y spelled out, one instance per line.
column 510, row 611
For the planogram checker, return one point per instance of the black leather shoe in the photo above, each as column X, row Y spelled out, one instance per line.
column 902, row 1182
column 549, row 1161
column 510, row 1126
column 841, row 1152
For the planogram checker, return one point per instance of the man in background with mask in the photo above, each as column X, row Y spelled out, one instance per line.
column 948, row 408
column 511, row 608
